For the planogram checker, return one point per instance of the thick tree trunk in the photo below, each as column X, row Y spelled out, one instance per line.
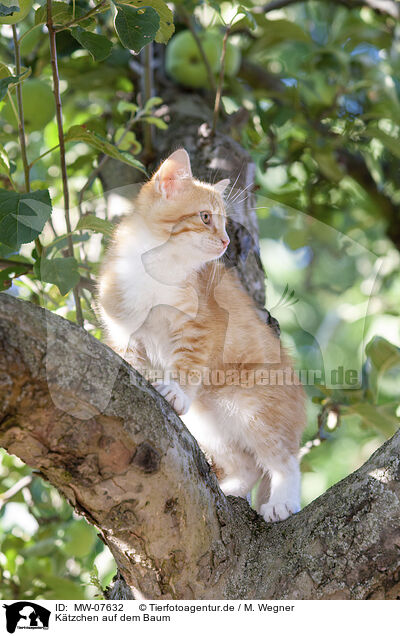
column 72, row 409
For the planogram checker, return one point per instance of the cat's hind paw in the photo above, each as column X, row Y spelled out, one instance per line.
column 273, row 512
column 173, row 393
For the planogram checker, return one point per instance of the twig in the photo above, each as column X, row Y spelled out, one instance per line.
column 323, row 420
column 218, row 94
column 14, row 490
column 147, row 94
column 43, row 155
column 5, row 262
column 56, row 90
column 21, row 121
column 82, row 18
column 89, row 182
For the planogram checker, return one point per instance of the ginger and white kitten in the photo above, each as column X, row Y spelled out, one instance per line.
column 169, row 305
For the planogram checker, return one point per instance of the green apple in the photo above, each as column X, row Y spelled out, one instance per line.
column 38, row 104
column 24, row 8
column 184, row 62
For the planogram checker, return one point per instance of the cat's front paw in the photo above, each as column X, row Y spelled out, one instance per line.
column 173, row 393
column 273, row 512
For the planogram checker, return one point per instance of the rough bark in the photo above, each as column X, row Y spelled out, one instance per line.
column 71, row 408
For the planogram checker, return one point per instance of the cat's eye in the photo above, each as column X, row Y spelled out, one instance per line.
column 205, row 217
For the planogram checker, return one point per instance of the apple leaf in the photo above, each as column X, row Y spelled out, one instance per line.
column 61, row 13
column 8, row 274
column 380, row 417
column 277, row 31
column 81, row 133
column 151, row 103
column 157, row 122
column 391, row 143
column 382, row 356
column 98, row 46
column 8, row 7
column 92, row 222
column 167, row 27
column 6, row 82
column 136, row 27
column 62, row 242
column 248, row 18
column 22, row 216
column 5, row 164
column 62, row 272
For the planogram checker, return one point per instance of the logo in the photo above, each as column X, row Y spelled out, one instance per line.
column 26, row 615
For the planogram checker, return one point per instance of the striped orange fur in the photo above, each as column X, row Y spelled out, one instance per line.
column 170, row 307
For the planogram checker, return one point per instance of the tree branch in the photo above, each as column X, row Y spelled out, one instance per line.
column 71, row 408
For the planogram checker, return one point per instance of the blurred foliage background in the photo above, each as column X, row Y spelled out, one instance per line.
column 312, row 90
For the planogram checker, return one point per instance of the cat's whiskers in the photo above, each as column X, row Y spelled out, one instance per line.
column 236, row 180
column 242, row 200
column 240, row 192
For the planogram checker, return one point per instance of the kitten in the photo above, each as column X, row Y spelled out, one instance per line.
column 169, row 305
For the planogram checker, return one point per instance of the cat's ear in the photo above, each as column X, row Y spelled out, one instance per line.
column 168, row 179
column 221, row 186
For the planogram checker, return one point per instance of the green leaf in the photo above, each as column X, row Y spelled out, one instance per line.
column 383, row 354
column 123, row 107
column 8, row 7
column 126, row 140
column 60, row 587
column 277, row 31
column 167, row 28
column 61, row 242
column 5, row 164
column 248, row 19
column 214, row 5
column 22, row 216
column 136, row 27
column 390, row 143
column 157, row 122
column 80, row 133
column 62, row 272
column 9, row 273
column 92, row 222
column 153, row 101
column 383, row 417
column 328, row 165
column 6, row 82
column 61, row 13
column 97, row 45
column 4, row 70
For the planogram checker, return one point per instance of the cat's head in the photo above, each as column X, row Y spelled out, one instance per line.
column 186, row 215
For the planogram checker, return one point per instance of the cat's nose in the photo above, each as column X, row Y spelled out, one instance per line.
column 225, row 242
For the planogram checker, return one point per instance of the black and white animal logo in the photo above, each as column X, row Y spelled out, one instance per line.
column 26, row 615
